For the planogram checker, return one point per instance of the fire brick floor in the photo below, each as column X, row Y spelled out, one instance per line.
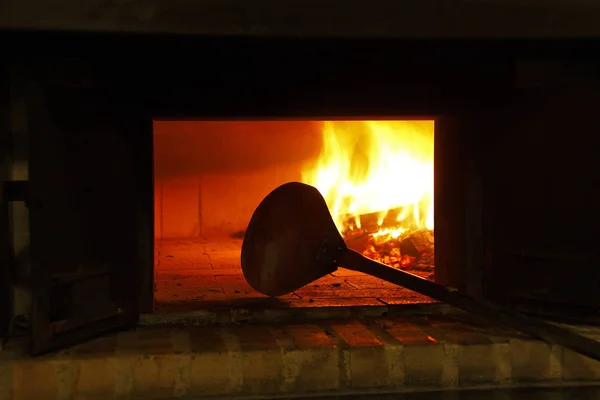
column 203, row 274
column 340, row 357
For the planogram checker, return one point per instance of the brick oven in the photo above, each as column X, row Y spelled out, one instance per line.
column 211, row 175
column 132, row 162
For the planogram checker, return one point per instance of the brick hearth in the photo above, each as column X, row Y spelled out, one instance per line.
column 385, row 353
column 206, row 274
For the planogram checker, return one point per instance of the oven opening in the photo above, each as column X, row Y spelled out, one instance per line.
column 209, row 176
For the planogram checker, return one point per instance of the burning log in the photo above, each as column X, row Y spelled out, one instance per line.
column 358, row 242
column 408, row 247
column 422, row 240
column 373, row 222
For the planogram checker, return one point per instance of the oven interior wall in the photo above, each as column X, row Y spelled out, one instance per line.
column 210, row 175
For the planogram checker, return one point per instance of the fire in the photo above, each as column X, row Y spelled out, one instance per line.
column 377, row 180
column 382, row 169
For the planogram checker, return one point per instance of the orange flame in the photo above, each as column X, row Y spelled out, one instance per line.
column 374, row 166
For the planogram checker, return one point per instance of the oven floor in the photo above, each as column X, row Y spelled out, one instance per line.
column 203, row 274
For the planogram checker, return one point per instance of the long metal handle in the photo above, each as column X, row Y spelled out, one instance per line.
column 548, row 332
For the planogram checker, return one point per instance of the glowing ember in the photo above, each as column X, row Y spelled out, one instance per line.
column 377, row 179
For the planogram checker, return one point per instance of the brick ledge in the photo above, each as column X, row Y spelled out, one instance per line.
column 382, row 353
